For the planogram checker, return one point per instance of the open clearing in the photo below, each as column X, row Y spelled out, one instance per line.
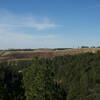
column 46, row 53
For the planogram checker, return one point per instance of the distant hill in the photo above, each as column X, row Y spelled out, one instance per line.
column 17, row 55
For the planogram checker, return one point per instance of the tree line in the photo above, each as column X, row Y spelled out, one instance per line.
column 69, row 77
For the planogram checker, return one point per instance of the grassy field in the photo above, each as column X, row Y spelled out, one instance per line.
column 46, row 53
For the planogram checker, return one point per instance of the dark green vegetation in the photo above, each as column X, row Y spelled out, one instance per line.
column 70, row 77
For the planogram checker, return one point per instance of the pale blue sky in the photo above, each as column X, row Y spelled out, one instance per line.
column 49, row 23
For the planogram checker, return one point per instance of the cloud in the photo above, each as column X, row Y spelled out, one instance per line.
column 16, row 31
column 9, row 40
column 11, row 20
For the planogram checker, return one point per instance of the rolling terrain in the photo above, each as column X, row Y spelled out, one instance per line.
column 7, row 55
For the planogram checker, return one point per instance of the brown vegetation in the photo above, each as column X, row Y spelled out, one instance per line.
column 29, row 55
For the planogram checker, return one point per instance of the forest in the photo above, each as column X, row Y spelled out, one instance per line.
column 69, row 77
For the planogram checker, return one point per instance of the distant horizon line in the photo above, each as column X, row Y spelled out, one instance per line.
column 59, row 48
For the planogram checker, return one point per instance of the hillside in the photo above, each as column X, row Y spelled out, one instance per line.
column 45, row 53
column 69, row 77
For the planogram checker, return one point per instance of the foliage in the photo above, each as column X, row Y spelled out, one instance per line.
column 69, row 77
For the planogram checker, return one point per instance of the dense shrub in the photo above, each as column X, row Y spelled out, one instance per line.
column 70, row 77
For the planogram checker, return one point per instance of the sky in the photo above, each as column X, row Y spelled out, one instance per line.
column 49, row 23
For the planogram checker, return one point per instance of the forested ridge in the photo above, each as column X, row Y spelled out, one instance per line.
column 69, row 77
